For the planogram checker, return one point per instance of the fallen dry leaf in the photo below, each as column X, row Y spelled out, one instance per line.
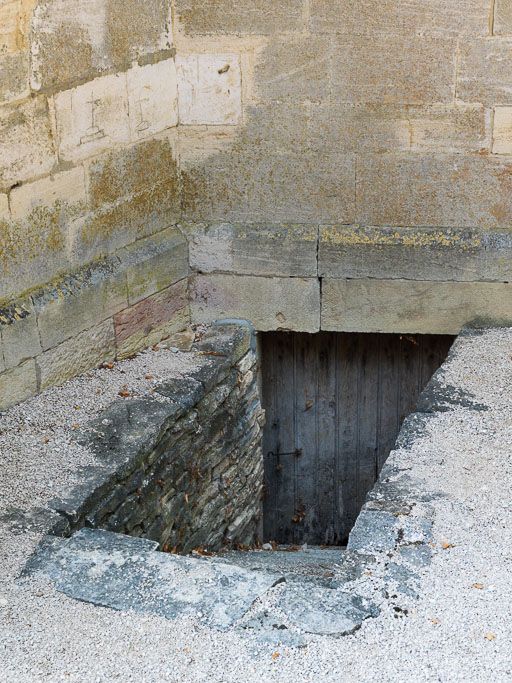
column 490, row 636
column 275, row 656
column 479, row 586
column 435, row 621
column 446, row 545
column 123, row 392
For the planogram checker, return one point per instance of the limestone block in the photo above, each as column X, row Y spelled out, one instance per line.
column 447, row 128
column 209, row 89
column 4, row 207
column 132, row 170
column 62, row 189
column 75, row 41
column 20, row 336
column 76, row 355
column 293, row 68
column 269, row 303
column 9, row 10
column 443, row 254
column 18, row 384
column 26, row 145
column 448, row 190
column 14, row 83
column 392, row 69
column 92, row 117
column 220, row 17
column 152, row 319
column 134, row 192
column 502, row 25
column 415, row 16
column 261, row 185
column 153, row 264
column 502, row 131
column 360, row 127
column 279, row 126
column 255, row 250
column 402, row 306
column 79, row 302
column 152, row 98
column 483, row 71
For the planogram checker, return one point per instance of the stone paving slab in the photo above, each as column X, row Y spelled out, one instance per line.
column 125, row 573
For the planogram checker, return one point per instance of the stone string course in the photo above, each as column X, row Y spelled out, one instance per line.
column 306, row 279
column 185, row 471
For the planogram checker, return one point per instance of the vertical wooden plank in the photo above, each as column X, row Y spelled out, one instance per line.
column 368, row 414
column 270, row 434
column 408, row 376
column 305, row 524
column 347, row 395
column 388, row 424
column 286, row 389
column 327, row 432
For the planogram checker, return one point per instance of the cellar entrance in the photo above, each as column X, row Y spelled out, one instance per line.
column 335, row 403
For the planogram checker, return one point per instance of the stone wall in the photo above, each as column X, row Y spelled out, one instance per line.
column 317, row 156
column 186, row 471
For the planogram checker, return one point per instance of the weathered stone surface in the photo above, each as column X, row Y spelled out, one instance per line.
column 209, row 89
column 53, row 193
column 79, row 302
column 18, row 384
column 482, row 71
column 9, row 38
column 414, row 253
column 20, row 336
column 449, row 190
column 381, row 127
column 416, row 16
column 77, row 355
column 151, row 319
column 4, row 207
column 403, row 306
column 136, row 194
column 324, row 612
column 447, row 128
column 255, row 250
column 14, row 76
column 75, row 41
column 26, row 146
column 132, row 170
column 373, row 532
column 92, row 117
column 255, row 186
column 261, row 17
column 392, row 69
column 154, row 263
column 502, row 131
column 126, row 574
column 502, row 24
column 294, row 68
column 269, row 303
column 152, row 98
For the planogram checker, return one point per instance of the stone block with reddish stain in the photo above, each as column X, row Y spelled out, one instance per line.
column 152, row 319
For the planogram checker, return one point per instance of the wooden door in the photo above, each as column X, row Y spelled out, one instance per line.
column 334, row 403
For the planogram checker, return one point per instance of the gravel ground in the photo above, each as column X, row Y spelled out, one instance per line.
column 459, row 629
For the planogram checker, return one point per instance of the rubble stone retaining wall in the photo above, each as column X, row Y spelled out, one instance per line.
column 186, row 472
